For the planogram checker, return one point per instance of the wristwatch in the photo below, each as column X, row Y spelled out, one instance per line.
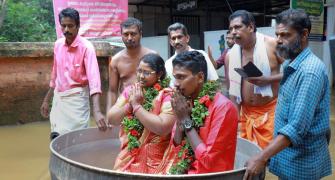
column 188, row 124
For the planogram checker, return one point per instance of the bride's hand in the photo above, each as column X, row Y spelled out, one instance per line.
column 136, row 95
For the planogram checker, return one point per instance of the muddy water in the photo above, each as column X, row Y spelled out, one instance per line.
column 24, row 150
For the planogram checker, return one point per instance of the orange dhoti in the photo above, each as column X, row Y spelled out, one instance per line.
column 257, row 123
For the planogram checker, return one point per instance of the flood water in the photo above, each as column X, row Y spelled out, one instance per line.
column 24, row 150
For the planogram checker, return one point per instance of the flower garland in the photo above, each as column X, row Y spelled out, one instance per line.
column 131, row 125
column 185, row 155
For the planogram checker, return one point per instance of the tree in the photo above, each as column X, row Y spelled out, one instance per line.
column 2, row 11
column 28, row 21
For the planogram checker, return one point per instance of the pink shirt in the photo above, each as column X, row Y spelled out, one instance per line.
column 75, row 66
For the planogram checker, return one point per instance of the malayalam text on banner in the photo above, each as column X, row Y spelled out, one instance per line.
column 98, row 19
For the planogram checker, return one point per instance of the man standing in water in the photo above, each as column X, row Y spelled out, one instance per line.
column 179, row 39
column 300, row 147
column 256, row 96
column 75, row 77
column 122, row 69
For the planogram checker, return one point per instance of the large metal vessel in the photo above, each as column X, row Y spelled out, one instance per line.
column 89, row 154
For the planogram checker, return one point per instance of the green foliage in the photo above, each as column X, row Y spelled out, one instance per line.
column 132, row 123
column 185, row 155
column 28, row 21
column 150, row 94
column 210, row 89
column 133, row 142
column 199, row 112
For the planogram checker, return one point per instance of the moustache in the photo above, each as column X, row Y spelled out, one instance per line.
column 236, row 37
column 281, row 47
column 180, row 91
column 282, row 50
column 129, row 42
column 67, row 34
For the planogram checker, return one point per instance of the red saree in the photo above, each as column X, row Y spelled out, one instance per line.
column 150, row 157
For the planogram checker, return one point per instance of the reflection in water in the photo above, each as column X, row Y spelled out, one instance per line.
column 24, row 150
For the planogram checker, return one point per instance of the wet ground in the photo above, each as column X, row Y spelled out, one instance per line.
column 24, row 150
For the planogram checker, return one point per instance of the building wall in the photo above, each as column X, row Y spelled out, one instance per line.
column 25, row 75
column 156, row 20
column 330, row 34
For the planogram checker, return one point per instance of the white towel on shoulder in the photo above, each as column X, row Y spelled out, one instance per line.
column 260, row 59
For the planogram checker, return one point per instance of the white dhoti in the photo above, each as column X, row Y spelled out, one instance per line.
column 70, row 110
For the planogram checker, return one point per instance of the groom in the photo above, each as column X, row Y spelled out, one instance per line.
column 214, row 141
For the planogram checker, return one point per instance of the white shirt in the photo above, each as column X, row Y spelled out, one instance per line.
column 211, row 72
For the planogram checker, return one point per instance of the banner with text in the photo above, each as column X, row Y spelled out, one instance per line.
column 316, row 12
column 98, row 19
